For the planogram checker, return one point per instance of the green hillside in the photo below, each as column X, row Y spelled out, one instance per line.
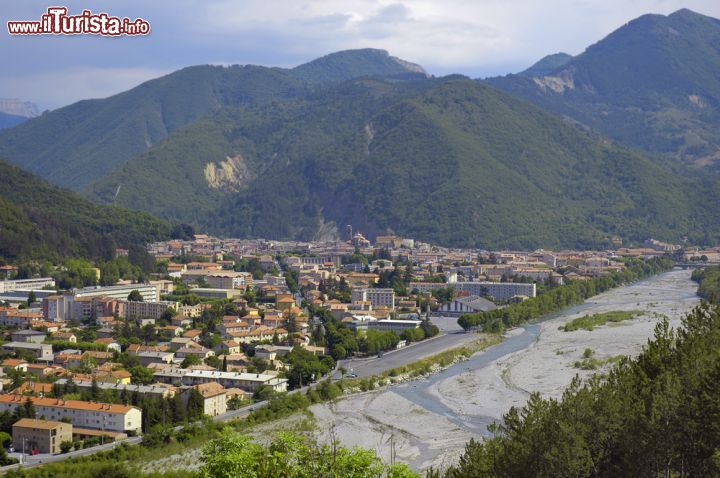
column 38, row 220
column 74, row 145
column 653, row 84
column 81, row 143
column 444, row 160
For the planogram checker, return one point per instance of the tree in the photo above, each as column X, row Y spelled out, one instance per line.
column 140, row 375
column 66, row 446
column 190, row 360
column 195, row 404
column 292, row 456
column 29, row 409
column 135, row 296
column 31, row 298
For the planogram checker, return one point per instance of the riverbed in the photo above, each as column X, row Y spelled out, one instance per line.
column 429, row 420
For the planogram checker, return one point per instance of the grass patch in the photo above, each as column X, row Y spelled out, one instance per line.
column 590, row 362
column 589, row 322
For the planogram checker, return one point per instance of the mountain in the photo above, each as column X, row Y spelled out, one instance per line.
column 14, row 111
column 16, row 107
column 38, row 220
column 349, row 64
column 653, row 84
column 547, row 65
column 80, row 143
column 447, row 160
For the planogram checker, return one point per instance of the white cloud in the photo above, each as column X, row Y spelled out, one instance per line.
column 474, row 37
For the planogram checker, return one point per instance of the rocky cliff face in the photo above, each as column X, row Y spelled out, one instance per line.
column 16, row 107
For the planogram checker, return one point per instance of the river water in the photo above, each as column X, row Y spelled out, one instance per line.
column 429, row 420
column 670, row 294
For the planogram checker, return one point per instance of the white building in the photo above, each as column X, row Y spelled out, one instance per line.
column 498, row 290
column 98, row 416
column 246, row 381
column 147, row 291
column 466, row 305
column 26, row 284
column 377, row 297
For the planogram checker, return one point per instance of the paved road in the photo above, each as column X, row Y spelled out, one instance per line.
column 451, row 336
column 404, row 356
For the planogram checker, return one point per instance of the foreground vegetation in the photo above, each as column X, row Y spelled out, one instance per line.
column 558, row 298
column 589, row 322
column 655, row 415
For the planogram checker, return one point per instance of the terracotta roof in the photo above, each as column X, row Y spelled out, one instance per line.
column 69, row 404
column 210, row 389
column 35, row 423
column 13, row 362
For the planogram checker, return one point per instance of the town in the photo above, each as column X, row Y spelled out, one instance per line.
column 186, row 329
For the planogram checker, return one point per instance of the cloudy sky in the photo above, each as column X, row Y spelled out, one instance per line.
column 475, row 37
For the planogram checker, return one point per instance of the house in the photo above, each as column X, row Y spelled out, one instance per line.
column 40, row 370
column 110, row 343
column 98, row 357
column 214, row 397
column 172, row 330
column 149, row 357
column 45, row 436
column 271, row 352
column 41, row 351
column 229, row 347
column 33, row 336
column 14, row 364
column 65, row 337
column 193, row 334
column 181, row 321
column 39, row 389
column 200, row 352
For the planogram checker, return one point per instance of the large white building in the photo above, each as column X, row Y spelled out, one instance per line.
column 470, row 304
column 98, row 416
column 377, row 297
column 246, row 381
column 147, row 291
column 26, row 284
column 501, row 291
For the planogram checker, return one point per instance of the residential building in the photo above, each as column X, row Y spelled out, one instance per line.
column 33, row 336
column 245, row 381
column 214, row 397
column 99, row 416
column 148, row 292
column 153, row 310
column 41, row 351
column 501, row 291
column 377, row 297
column 26, row 284
column 44, row 436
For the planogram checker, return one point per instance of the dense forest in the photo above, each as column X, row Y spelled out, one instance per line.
column 654, row 415
column 563, row 296
column 41, row 221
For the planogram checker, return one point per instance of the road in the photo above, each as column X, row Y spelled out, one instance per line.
column 451, row 336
